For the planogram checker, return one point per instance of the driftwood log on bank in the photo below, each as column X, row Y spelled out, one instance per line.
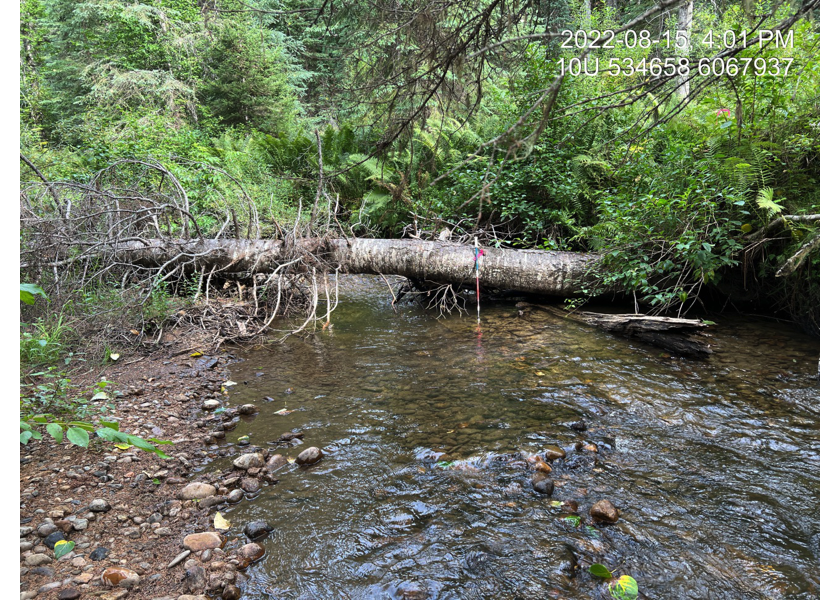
column 674, row 335
column 562, row 274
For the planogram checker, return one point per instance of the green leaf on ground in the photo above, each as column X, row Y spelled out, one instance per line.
column 599, row 570
column 63, row 547
column 624, row 588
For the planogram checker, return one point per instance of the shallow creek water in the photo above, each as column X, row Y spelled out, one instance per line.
column 423, row 492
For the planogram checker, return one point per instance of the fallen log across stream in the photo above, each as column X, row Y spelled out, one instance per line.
column 678, row 336
column 562, row 274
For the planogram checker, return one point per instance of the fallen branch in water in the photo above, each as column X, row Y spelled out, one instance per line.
column 668, row 333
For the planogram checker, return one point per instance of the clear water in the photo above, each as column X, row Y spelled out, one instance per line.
column 424, row 491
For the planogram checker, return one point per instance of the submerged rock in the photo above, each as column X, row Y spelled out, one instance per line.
column 603, row 510
column 552, row 454
column 309, row 456
column 542, row 467
column 543, row 484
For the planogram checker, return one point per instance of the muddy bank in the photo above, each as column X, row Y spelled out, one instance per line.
column 143, row 526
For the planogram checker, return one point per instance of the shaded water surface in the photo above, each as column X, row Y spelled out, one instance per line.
column 424, row 492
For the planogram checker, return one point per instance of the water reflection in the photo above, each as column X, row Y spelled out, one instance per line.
column 425, row 491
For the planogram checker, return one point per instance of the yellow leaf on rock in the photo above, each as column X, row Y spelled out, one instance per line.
column 114, row 356
column 123, row 446
column 196, row 354
column 283, row 411
column 290, row 460
column 219, row 522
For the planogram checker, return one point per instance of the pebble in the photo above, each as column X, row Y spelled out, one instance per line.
column 80, row 524
column 100, row 553
column 195, row 579
column 542, row 466
column 36, row 560
column 28, row 595
column 250, row 553
column 119, row 577
column 309, row 456
column 231, row 592
column 603, row 510
column 196, row 491
column 258, row 530
column 235, row 496
column 211, row 501
column 211, row 404
column 249, row 461
column 47, row 529
column 99, row 505
column 543, row 484
column 247, row 409
column 48, row 587
column 24, row 531
column 275, row 462
column 69, row 594
column 198, row 542
column 177, row 560
column 250, row 485
column 24, row 546
column 553, row 454
column 53, row 538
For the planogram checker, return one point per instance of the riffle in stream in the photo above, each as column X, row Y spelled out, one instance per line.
column 426, row 424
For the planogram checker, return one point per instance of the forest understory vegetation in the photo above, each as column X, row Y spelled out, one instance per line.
column 295, row 120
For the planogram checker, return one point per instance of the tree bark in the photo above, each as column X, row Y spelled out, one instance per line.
column 563, row 274
column 684, row 22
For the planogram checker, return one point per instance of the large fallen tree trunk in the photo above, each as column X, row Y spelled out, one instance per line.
column 561, row 274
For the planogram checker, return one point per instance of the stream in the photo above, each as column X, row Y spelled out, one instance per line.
column 426, row 424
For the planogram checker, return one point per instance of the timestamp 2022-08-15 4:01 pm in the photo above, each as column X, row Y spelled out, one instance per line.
column 656, row 66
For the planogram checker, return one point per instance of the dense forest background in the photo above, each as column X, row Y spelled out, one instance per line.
column 438, row 119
